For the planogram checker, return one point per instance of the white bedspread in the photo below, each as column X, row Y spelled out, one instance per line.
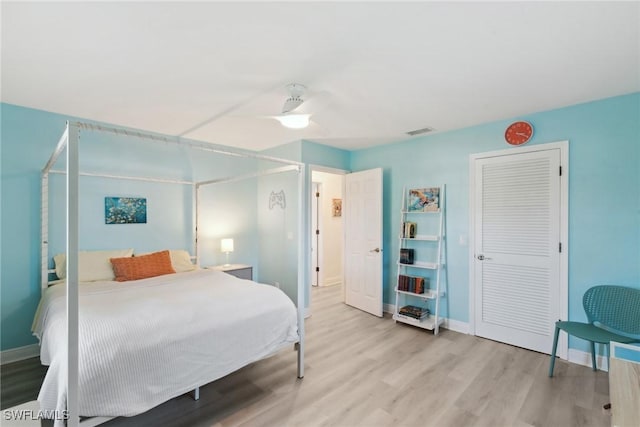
column 144, row 342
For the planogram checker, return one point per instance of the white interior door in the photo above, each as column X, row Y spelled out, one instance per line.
column 363, row 246
column 517, row 270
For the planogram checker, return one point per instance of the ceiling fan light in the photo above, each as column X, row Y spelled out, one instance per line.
column 294, row 121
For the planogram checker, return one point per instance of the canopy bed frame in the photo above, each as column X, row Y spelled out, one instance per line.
column 70, row 142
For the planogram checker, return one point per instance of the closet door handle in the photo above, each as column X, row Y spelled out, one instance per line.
column 482, row 258
column 377, row 250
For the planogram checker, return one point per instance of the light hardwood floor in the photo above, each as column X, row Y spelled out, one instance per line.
column 366, row 371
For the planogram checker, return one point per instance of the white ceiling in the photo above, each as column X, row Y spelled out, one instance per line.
column 212, row 71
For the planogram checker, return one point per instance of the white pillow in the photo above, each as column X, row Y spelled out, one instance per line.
column 180, row 260
column 92, row 265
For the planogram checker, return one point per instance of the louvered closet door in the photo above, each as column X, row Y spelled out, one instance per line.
column 517, row 235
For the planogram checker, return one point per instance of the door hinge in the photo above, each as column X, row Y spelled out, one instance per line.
column 560, row 170
column 317, row 269
column 317, row 232
column 560, row 247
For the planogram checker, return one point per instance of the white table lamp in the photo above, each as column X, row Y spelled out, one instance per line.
column 226, row 245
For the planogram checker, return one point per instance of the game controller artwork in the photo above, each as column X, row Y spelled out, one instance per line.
column 277, row 199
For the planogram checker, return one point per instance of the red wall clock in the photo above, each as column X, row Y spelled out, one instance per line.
column 518, row 133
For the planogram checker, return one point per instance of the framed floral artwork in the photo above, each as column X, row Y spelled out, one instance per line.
column 125, row 210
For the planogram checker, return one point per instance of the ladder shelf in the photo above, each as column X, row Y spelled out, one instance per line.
column 421, row 278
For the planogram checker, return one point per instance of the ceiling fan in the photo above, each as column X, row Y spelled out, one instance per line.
column 294, row 115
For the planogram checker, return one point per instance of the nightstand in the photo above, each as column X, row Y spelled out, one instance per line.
column 241, row 271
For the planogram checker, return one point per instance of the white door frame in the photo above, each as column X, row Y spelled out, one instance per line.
column 317, row 168
column 563, row 146
column 318, row 240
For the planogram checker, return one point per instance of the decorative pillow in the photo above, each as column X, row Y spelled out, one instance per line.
column 92, row 265
column 180, row 260
column 142, row 267
column 60, row 261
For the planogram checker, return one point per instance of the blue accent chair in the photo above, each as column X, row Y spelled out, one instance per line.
column 613, row 313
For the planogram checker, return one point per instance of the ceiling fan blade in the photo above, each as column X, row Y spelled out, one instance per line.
column 315, row 103
column 317, row 130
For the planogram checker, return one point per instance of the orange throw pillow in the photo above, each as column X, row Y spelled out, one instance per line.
column 141, row 267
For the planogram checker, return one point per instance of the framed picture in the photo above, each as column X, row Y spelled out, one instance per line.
column 336, row 207
column 125, row 210
column 423, row 200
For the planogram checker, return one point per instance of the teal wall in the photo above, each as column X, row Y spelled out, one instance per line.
column 604, row 200
column 322, row 155
column 309, row 153
column 228, row 211
column 169, row 216
column 28, row 137
column 278, row 231
column 604, row 192
column 23, row 155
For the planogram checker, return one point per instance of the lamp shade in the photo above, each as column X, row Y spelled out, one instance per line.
column 226, row 245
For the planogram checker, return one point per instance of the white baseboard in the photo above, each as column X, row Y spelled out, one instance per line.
column 584, row 358
column 332, row 281
column 456, row 325
column 19, row 353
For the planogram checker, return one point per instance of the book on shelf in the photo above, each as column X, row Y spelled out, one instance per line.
column 424, row 199
column 414, row 312
column 409, row 230
column 412, row 284
column 407, row 255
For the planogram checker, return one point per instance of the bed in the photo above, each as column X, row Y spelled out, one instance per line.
column 121, row 349
column 146, row 341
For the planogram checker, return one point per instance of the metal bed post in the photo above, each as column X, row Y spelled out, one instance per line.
column 300, row 168
column 196, row 196
column 44, row 231
column 44, row 208
column 73, row 412
column 301, row 270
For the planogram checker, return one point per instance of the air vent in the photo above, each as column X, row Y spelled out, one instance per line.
column 420, row 131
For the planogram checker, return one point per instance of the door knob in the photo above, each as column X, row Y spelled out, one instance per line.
column 375, row 250
column 482, row 257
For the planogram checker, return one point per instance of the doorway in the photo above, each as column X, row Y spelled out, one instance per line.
column 518, row 259
column 327, row 229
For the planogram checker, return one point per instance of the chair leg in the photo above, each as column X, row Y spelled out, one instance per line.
column 552, row 364
column 593, row 356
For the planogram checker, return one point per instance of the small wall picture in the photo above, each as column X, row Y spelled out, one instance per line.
column 125, row 210
column 277, row 199
column 424, row 200
column 336, row 207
